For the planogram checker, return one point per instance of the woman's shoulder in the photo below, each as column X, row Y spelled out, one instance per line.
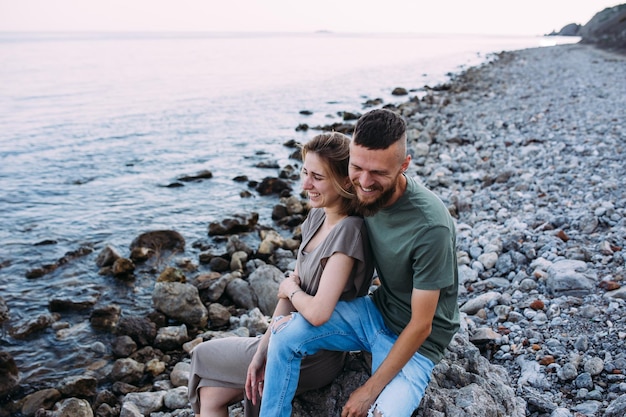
column 357, row 221
column 351, row 225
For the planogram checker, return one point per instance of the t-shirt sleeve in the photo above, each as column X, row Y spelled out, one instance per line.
column 433, row 260
column 350, row 238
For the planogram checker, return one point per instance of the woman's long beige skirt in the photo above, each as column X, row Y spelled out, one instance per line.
column 224, row 363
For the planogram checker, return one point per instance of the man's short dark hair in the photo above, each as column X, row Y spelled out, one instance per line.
column 379, row 129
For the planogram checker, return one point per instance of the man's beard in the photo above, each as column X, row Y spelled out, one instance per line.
column 373, row 207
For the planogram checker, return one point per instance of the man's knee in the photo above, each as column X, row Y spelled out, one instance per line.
column 280, row 323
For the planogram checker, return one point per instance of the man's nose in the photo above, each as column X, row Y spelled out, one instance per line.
column 365, row 179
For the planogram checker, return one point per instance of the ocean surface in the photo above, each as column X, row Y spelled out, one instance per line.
column 94, row 127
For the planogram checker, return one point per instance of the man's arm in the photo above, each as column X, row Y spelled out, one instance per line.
column 423, row 306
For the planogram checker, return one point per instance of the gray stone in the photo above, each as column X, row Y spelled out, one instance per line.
column 181, row 302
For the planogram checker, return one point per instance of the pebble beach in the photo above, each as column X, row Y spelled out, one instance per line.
column 527, row 151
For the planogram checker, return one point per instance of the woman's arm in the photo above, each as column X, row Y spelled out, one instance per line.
column 317, row 309
column 256, row 369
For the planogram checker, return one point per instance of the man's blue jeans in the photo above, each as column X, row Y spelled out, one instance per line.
column 354, row 325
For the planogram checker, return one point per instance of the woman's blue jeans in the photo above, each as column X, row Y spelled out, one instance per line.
column 354, row 325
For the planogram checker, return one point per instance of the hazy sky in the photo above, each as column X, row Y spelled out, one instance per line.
column 515, row 17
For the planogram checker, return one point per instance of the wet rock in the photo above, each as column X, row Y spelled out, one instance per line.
column 159, row 241
column 32, row 326
column 202, row 175
column 399, row 91
column 105, row 318
column 240, row 223
column 171, row 274
column 272, row 185
column 43, row 399
column 9, row 374
column 73, row 304
column 78, row 386
column 123, row 268
column 141, row 329
column 107, row 256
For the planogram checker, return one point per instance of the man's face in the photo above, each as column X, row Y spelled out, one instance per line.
column 376, row 175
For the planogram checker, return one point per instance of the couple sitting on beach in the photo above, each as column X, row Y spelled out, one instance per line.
column 365, row 214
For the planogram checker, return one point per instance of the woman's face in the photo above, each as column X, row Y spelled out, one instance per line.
column 316, row 181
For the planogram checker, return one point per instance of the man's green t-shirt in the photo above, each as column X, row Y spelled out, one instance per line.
column 414, row 244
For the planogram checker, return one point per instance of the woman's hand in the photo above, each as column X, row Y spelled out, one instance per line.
column 255, row 377
column 288, row 286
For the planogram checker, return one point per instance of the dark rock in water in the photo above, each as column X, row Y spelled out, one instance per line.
column 373, row 102
column 105, row 318
column 46, row 242
column 9, row 374
column 346, row 115
column 139, row 255
column 123, row 268
column 219, row 264
column 272, row 185
column 140, row 329
column 79, row 386
column 202, row 175
column 345, row 128
column 4, row 311
column 267, row 164
column 33, row 326
column 63, row 304
column 40, row 272
column 40, row 399
column 399, row 91
column 107, row 256
column 241, row 223
column 160, row 240
column 48, row 268
column 302, row 127
column 171, row 274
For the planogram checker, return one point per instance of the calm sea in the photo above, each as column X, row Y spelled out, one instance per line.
column 93, row 127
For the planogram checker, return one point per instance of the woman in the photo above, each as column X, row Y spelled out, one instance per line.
column 334, row 262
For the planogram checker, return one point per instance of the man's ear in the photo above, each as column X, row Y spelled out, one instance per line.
column 406, row 163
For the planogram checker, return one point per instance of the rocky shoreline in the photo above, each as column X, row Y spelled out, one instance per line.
column 526, row 150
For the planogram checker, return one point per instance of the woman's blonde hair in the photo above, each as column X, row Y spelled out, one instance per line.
column 334, row 149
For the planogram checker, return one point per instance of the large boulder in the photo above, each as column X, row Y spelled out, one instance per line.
column 463, row 384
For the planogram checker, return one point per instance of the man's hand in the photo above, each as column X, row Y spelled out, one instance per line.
column 359, row 403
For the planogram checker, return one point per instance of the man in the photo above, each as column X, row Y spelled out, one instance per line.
column 410, row 319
